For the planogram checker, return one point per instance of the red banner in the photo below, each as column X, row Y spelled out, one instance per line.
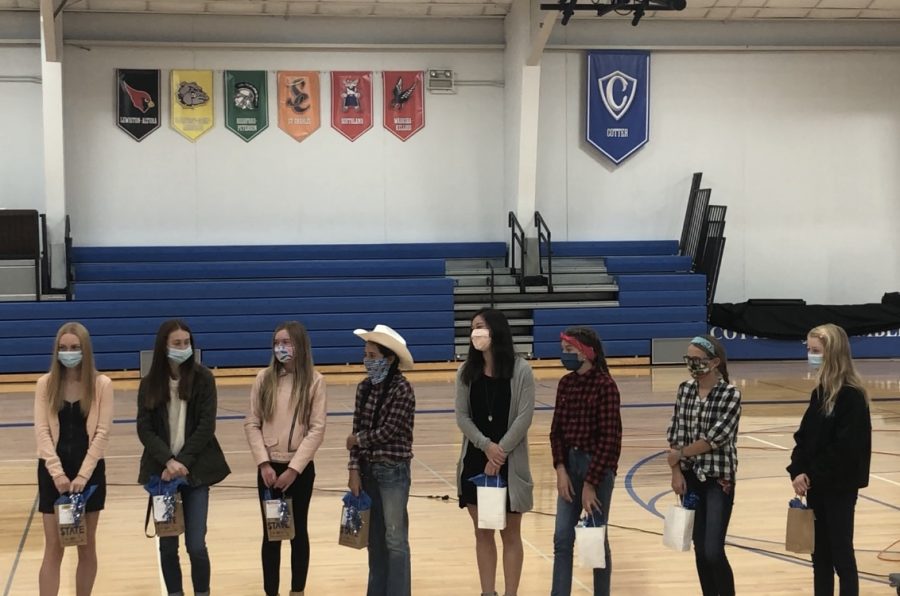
column 404, row 102
column 351, row 103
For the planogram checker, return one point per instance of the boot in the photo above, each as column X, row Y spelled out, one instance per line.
column 297, row 593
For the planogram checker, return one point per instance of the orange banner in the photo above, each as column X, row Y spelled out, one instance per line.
column 299, row 103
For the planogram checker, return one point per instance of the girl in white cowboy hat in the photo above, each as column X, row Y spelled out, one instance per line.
column 380, row 451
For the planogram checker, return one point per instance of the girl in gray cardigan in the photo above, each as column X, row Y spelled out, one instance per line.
column 494, row 408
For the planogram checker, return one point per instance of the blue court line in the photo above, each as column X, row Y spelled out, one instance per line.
column 15, row 565
column 651, row 508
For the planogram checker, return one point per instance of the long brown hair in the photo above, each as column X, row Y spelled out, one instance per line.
column 301, row 377
column 837, row 368
column 88, row 371
column 157, row 378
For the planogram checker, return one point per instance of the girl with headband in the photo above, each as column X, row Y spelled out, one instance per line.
column 703, row 456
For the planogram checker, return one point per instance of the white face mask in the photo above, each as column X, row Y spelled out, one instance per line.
column 481, row 339
column 815, row 360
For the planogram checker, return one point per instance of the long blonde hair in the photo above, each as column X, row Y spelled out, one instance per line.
column 301, row 377
column 88, row 372
column 837, row 368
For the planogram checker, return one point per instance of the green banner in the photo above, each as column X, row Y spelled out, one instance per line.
column 246, row 102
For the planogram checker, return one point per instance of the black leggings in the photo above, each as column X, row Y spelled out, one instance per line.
column 300, row 493
column 834, row 542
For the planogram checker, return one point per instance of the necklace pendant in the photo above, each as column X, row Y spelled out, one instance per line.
column 490, row 417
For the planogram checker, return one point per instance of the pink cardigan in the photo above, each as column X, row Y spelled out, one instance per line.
column 99, row 420
column 268, row 439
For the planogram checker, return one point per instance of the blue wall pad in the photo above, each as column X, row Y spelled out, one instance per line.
column 565, row 317
column 233, row 358
column 448, row 250
column 636, row 347
column 740, row 346
column 613, row 248
column 628, row 331
column 258, row 270
column 187, row 290
column 689, row 298
column 648, row 264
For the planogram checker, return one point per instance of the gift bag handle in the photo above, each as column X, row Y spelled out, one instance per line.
column 147, row 518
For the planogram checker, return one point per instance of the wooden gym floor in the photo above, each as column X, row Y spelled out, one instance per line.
column 441, row 537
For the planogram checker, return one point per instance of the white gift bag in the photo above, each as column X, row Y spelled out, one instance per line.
column 678, row 528
column 590, row 542
column 492, row 507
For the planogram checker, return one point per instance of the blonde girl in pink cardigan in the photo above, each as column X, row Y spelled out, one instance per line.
column 73, row 410
column 285, row 427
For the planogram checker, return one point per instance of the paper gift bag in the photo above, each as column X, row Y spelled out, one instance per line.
column 590, row 542
column 678, row 528
column 279, row 526
column 70, row 533
column 800, row 535
column 164, row 525
column 354, row 528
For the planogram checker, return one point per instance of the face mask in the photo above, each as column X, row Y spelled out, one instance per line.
column 284, row 353
column 570, row 361
column 698, row 368
column 481, row 339
column 377, row 369
column 179, row 356
column 69, row 359
column 815, row 360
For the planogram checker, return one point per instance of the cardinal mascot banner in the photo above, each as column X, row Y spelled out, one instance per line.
column 618, row 102
column 246, row 102
column 299, row 103
column 351, row 103
column 192, row 102
column 404, row 102
column 137, row 102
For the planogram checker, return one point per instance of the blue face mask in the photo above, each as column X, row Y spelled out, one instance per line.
column 815, row 360
column 570, row 361
column 180, row 356
column 377, row 369
column 69, row 359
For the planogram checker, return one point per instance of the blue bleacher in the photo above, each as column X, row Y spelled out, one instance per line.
column 615, row 248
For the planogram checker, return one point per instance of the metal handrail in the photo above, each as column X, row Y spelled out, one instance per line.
column 517, row 238
column 491, row 266
column 543, row 231
column 70, row 267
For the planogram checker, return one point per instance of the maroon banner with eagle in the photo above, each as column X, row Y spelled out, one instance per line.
column 137, row 101
column 404, row 102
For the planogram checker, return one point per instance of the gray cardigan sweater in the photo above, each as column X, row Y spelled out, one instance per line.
column 514, row 442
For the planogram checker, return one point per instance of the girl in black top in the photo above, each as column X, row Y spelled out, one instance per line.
column 830, row 461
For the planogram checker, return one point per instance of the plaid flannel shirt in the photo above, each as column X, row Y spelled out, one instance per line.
column 587, row 417
column 714, row 420
column 389, row 435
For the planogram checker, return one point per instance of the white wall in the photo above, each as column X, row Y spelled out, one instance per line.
column 21, row 157
column 443, row 184
column 803, row 148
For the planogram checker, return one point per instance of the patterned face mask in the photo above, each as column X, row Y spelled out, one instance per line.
column 284, row 353
column 377, row 369
column 698, row 367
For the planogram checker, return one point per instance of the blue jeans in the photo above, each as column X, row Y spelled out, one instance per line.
column 711, row 519
column 387, row 483
column 567, row 516
column 195, row 501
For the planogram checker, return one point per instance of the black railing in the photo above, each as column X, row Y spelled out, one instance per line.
column 543, row 231
column 45, row 257
column 712, row 248
column 70, row 267
column 517, row 236
column 689, row 212
column 493, row 281
column 697, row 227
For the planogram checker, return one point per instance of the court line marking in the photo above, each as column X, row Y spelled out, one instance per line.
column 888, row 480
column 764, row 442
column 21, row 547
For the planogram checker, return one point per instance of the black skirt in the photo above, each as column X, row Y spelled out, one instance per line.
column 47, row 493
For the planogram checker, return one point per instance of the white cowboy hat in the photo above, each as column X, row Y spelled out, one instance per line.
column 390, row 339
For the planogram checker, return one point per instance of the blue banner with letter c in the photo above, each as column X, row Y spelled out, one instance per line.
column 618, row 102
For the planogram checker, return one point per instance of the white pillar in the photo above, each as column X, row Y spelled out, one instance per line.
column 522, row 75
column 54, row 146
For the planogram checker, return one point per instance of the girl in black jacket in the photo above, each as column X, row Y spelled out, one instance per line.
column 176, row 422
column 830, row 461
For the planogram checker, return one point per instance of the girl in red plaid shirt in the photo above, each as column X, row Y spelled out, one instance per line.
column 586, row 440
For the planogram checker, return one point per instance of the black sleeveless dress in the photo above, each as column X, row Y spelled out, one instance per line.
column 489, row 401
column 72, row 448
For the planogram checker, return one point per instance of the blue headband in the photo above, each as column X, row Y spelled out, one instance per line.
column 705, row 344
